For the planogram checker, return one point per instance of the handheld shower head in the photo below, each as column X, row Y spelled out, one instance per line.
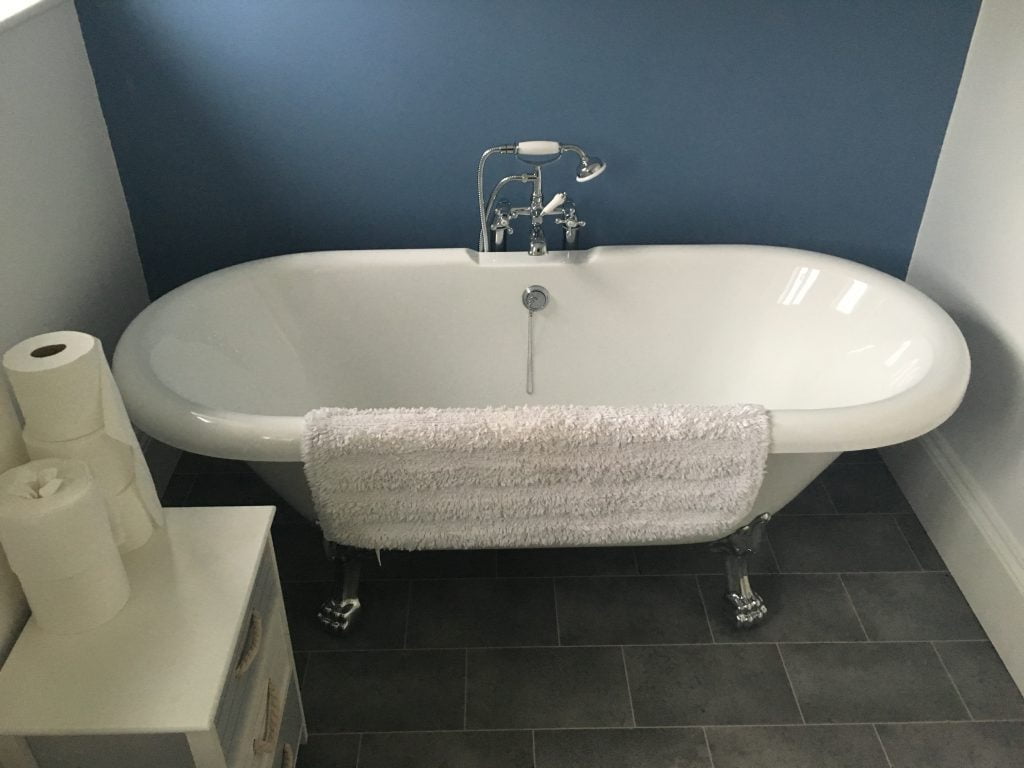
column 532, row 151
column 590, row 168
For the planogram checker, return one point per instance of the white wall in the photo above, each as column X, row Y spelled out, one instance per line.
column 67, row 250
column 967, row 480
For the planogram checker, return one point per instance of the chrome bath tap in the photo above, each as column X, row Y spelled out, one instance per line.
column 496, row 215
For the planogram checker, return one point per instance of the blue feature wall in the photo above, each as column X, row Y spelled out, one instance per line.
column 247, row 128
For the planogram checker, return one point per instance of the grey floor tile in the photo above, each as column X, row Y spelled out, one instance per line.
column 871, row 682
column 196, row 464
column 623, row 748
column 177, row 490
column 384, row 691
column 912, row 606
column 858, row 488
column 239, row 489
column 300, row 553
column 709, row 685
column 329, row 752
column 840, row 543
column 575, row 561
column 287, row 516
column 802, row 746
column 954, row 745
column 459, row 613
column 380, row 625
column 432, row 564
column 468, row 749
column 547, row 688
column 801, row 608
column 696, row 559
column 301, row 659
column 921, row 543
column 982, row 680
column 617, row 610
column 868, row 456
column 812, row 500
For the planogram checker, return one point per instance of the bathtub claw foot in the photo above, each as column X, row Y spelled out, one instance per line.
column 748, row 607
column 748, row 610
column 336, row 616
column 338, row 613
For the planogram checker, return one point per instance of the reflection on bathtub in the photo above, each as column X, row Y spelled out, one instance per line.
column 800, row 283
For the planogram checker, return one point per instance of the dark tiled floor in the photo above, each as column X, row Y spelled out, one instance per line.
column 625, row 658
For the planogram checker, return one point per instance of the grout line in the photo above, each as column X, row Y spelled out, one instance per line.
column 533, row 741
column 881, row 743
column 359, row 750
column 636, row 561
column 704, row 605
column 707, row 745
column 853, row 606
column 617, row 576
column 771, row 551
column 828, row 495
column 408, row 614
column 903, row 535
column 720, row 644
column 558, row 626
column 792, row 688
column 465, row 692
column 693, row 726
column 951, row 680
column 629, row 689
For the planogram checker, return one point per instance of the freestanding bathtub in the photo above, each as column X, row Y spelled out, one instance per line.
column 843, row 356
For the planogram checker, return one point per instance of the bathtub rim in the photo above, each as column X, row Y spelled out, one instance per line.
column 221, row 433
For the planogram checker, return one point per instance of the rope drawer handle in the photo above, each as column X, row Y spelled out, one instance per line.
column 253, row 637
column 272, row 722
column 287, row 757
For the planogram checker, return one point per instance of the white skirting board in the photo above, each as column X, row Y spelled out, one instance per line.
column 984, row 558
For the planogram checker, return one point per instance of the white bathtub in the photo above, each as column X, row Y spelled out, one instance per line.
column 844, row 357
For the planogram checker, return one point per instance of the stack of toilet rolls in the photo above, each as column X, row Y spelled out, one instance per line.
column 72, row 410
column 13, row 610
column 56, row 531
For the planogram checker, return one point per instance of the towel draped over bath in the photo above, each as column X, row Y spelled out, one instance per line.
column 533, row 476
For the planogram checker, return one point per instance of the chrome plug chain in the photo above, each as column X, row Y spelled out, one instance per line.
column 535, row 298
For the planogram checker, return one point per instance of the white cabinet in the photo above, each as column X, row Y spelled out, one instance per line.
column 196, row 671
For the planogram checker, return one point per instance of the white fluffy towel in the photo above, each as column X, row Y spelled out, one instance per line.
column 533, row 476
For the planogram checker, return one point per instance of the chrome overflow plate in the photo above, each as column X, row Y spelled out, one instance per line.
column 535, row 298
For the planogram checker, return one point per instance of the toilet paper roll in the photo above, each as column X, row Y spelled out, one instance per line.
column 111, row 462
column 12, row 449
column 66, row 392
column 81, row 602
column 56, row 379
column 13, row 611
column 129, row 519
column 53, row 521
column 13, row 608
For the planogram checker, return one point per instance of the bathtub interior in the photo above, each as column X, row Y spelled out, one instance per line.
column 788, row 329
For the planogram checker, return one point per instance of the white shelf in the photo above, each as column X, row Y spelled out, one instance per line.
column 160, row 665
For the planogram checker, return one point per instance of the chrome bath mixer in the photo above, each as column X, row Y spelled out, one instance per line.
column 497, row 215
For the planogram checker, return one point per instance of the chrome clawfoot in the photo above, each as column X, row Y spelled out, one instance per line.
column 338, row 612
column 748, row 607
